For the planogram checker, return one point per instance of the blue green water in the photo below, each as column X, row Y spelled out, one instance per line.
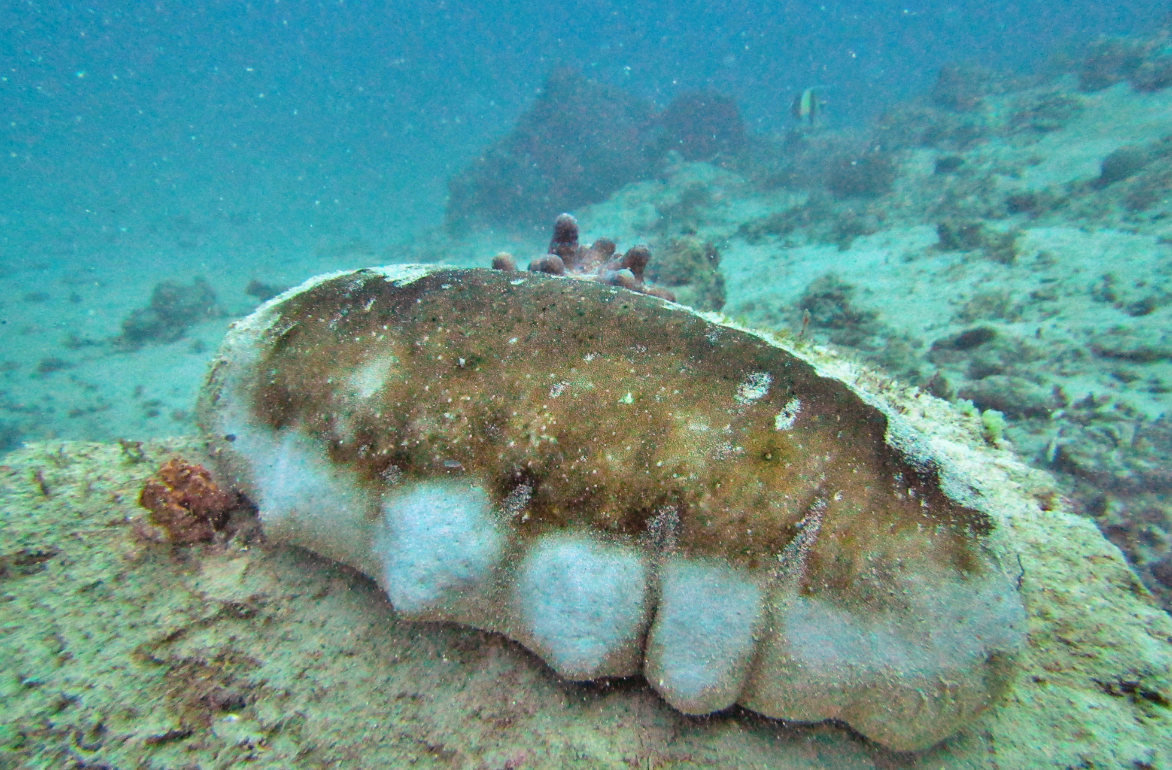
column 295, row 114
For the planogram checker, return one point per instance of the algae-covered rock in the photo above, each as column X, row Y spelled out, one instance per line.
column 623, row 486
column 691, row 268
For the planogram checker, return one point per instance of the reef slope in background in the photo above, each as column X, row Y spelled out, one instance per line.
column 122, row 653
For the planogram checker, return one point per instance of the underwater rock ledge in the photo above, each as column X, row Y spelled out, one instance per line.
column 623, row 486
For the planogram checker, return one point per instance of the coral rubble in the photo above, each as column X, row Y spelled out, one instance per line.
column 172, row 309
column 692, row 268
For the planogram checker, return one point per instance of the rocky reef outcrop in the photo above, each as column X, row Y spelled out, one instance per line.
column 581, row 141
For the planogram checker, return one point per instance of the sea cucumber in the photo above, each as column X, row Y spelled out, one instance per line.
column 625, row 487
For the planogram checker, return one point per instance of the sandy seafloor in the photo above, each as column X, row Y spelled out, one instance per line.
column 119, row 654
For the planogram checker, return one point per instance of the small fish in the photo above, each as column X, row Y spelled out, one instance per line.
column 807, row 107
